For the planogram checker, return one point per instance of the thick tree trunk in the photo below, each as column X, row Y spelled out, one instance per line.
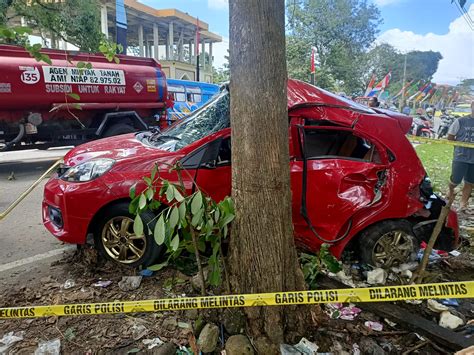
column 263, row 255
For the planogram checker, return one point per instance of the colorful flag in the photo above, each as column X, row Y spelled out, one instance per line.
column 371, row 85
column 378, row 89
column 402, row 90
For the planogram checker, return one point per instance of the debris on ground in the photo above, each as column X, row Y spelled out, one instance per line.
column 8, row 340
column 304, row 347
column 50, row 347
column 130, row 283
column 448, row 320
column 238, row 345
column 102, row 283
column 377, row 326
column 208, row 338
column 70, row 283
column 377, row 276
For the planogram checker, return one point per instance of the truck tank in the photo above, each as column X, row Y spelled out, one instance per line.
column 51, row 99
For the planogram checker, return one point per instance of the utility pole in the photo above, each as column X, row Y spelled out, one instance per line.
column 402, row 98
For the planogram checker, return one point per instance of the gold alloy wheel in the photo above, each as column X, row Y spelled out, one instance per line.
column 393, row 248
column 120, row 242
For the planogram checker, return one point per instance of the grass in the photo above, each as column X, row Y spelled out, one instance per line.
column 436, row 159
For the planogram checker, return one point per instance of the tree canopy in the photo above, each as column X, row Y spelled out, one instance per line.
column 340, row 30
column 75, row 21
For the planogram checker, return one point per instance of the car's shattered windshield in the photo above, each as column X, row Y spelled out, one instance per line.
column 210, row 119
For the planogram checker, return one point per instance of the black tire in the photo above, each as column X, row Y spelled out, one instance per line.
column 117, row 129
column 372, row 240
column 146, row 245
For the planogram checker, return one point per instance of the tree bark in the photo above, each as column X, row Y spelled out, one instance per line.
column 262, row 251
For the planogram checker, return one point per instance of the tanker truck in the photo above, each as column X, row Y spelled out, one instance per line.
column 63, row 103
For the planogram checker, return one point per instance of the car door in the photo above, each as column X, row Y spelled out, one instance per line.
column 211, row 166
column 341, row 175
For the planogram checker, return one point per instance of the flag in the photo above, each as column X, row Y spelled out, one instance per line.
column 378, row 89
column 429, row 93
column 418, row 92
column 121, row 24
column 402, row 90
column 198, row 38
column 313, row 60
column 371, row 85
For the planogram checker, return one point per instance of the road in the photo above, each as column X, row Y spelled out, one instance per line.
column 25, row 245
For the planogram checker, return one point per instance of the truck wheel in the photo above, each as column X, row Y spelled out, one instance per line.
column 114, row 238
column 388, row 243
column 119, row 128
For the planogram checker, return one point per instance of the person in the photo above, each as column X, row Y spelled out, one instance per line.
column 406, row 110
column 374, row 102
column 462, row 130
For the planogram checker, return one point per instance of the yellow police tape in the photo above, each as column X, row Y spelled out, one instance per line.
column 417, row 139
column 372, row 294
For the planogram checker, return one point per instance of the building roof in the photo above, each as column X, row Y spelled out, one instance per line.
column 138, row 13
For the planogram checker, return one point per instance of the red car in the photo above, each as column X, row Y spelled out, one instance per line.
column 356, row 180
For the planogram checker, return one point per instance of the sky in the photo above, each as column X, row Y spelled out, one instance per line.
column 407, row 25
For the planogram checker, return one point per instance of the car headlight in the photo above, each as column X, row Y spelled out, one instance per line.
column 88, row 170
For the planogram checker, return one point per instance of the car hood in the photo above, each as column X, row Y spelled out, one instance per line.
column 118, row 148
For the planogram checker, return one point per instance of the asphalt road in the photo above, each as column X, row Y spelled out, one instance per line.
column 24, row 242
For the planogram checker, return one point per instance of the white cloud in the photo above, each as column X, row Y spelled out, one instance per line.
column 218, row 4
column 456, row 47
column 219, row 50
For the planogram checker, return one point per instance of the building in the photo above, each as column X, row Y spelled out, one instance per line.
column 167, row 35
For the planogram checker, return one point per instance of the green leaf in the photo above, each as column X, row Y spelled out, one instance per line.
column 175, row 243
column 217, row 214
column 201, row 245
column 226, row 220
column 22, row 30
column 74, row 96
column 159, row 232
column 174, row 217
column 154, row 170
column 117, row 60
column 80, row 65
column 45, row 58
column 177, row 195
column 182, row 211
column 138, row 226
column 142, row 202
column 149, row 194
column 170, row 193
column 147, row 180
column 36, row 46
column 196, row 203
column 132, row 192
column 197, row 218
column 132, row 207
column 328, row 259
column 158, row 267
column 89, row 65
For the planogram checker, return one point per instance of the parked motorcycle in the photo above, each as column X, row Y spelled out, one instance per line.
column 446, row 121
column 423, row 127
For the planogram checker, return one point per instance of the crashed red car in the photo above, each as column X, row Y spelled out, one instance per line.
column 356, row 180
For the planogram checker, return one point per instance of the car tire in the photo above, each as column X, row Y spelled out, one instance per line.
column 388, row 243
column 115, row 240
column 117, row 129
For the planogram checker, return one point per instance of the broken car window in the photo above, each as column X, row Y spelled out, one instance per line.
column 325, row 143
column 207, row 120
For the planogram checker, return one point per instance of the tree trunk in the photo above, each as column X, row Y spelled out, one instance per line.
column 263, row 255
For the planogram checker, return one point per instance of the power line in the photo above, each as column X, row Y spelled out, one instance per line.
column 465, row 15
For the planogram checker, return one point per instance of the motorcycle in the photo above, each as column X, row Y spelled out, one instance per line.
column 423, row 127
column 446, row 122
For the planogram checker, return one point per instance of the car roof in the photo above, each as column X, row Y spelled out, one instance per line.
column 301, row 94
